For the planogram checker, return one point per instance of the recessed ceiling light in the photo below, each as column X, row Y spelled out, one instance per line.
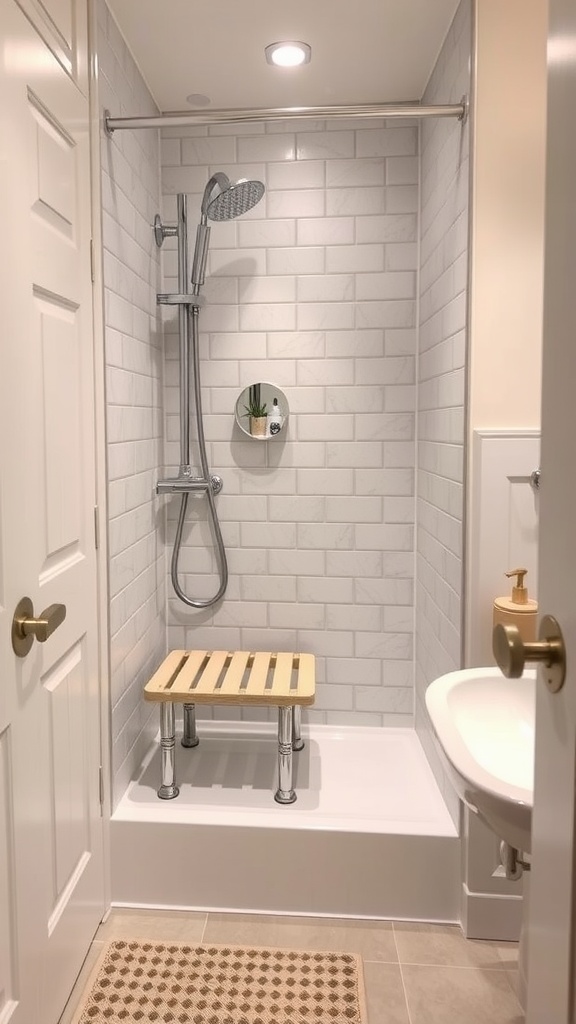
column 288, row 54
column 197, row 99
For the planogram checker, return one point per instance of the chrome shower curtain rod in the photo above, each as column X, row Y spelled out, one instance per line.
column 189, row 119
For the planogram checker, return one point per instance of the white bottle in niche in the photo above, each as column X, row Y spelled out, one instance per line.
column 274, row 419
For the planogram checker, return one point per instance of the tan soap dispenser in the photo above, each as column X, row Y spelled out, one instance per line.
column 517, row 610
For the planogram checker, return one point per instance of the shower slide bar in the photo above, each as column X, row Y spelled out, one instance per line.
column 188, row 119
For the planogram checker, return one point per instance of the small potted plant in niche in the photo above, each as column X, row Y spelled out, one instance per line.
column 256, row 411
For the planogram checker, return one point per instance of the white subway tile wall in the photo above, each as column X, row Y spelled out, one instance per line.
column 444, row 171
column 130, row 194
column 314, row 290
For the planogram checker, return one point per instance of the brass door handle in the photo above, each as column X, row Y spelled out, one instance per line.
column 26, row 627
column 512, row 653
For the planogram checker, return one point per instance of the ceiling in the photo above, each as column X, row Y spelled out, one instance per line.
column 363, row 51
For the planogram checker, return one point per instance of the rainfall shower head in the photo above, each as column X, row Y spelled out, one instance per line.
column 233, row 199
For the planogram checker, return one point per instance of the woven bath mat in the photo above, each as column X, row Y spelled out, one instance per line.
column 164, row 983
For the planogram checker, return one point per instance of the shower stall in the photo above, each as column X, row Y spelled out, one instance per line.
column 317, row 290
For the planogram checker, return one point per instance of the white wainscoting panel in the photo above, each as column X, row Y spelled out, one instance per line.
column 503, row 528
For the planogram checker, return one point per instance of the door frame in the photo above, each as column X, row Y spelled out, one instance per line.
column 101, row 510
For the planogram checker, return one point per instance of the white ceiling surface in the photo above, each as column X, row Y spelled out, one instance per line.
column 363, row 51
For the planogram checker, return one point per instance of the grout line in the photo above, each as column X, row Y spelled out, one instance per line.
column 401, row 974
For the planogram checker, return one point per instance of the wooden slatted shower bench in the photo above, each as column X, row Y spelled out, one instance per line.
column 284, row 680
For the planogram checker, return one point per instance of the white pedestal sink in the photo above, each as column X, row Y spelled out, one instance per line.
column 484, row 724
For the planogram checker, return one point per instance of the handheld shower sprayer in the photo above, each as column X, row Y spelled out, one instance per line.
column 232, row 200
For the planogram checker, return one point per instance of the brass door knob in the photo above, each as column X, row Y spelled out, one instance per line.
column 512, row 653
column 26, row 627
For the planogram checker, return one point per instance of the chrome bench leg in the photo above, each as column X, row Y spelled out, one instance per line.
column 168, row 790
column 285, row 793
column 189, row 737
column 297, row 741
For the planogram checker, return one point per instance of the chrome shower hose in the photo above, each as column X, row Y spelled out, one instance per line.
column 213, row 515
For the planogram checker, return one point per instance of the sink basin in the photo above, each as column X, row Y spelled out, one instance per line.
column 484, row 724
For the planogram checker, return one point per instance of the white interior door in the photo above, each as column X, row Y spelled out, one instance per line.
column 552, row 911
column 51, row 857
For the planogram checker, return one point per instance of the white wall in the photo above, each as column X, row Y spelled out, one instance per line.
column 130, row 187
column 315, row 291
column 444, row 164
column 507, row 242
column 508, row 214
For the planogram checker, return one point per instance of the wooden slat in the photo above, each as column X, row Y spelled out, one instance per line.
column 235, row 674
column 207, row 681
column 183, row 682
column 155, row 686
column 282, row 675
column 258, row 675
column 307, row 677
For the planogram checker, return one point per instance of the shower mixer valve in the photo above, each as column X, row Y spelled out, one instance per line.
column 189, row 485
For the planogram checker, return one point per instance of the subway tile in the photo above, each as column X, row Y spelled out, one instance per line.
column 325, row 481
column 386, row 699
column 237, row 262
column 387, row 142
column 402, row 199
column 267, row 233
column 361, row 202
column 325, row 315
column 183, row 178
column 298, row 345
column 296, row 508
column 267, row 534
column 392, row 313
column 324, row 145
column 268, row 316
column 327, row 536
column 384, row 426
column 328, row 231
column 367, row 453
column 342, row 509
column 322, row 591
column 268, row 588
column 354, row 259
column 301, row 174
column 360, row 343
column 320, row 288
column 384, row 537
column 296, row 260
column 327, row 642
column 356, row 399
column 265, row 289
column 299, row 563
column 354, row 172
column 357, row 564
column 402, row 170
column 362, row 617
column 325, row 372
column 325, row 428
column 297, row 616
column 267, row 148
column 296, row 203
column 386, row 286
column 389, row 228
column 204, row 151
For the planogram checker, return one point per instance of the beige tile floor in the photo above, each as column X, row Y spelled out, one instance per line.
column 414, row 973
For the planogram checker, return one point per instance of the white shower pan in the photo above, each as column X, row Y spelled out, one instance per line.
column 369, row 835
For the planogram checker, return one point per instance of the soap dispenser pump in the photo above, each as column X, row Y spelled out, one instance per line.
column 518, row 609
